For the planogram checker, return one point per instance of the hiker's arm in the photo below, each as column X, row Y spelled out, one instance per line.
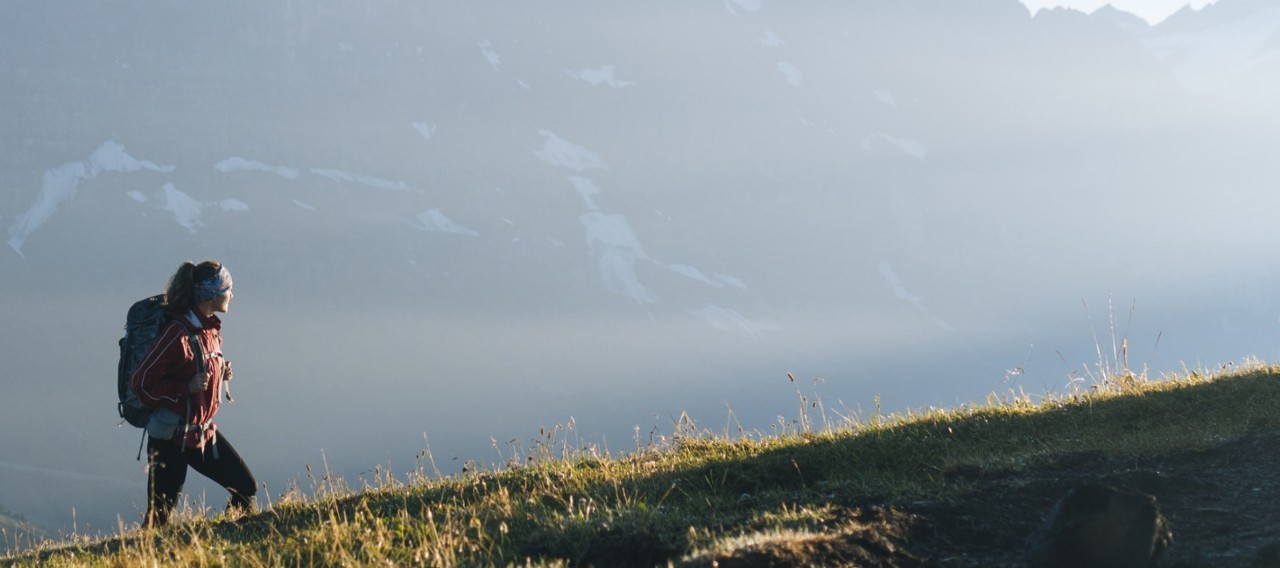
column 153, row 379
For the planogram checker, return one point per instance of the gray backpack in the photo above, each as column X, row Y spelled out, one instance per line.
column 146, row 319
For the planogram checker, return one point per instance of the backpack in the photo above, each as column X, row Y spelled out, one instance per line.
column 147, row 318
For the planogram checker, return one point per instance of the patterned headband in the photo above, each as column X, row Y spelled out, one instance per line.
column 212, row 287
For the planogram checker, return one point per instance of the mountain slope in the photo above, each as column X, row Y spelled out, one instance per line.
column 943, row 488
column 18, row 533
column 503, row 216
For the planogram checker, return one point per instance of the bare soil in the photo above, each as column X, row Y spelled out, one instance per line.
column 1223, row 504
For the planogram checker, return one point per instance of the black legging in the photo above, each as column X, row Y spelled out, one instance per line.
column 167, row 472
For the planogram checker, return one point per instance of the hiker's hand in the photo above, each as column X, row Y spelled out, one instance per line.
column 226, row 381
column 199, row 382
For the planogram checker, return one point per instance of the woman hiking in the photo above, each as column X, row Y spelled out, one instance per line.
column 181, row 378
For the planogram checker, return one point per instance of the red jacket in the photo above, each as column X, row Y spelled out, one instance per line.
column 162, row 379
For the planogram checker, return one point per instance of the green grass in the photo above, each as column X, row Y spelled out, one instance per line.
column 697, row 494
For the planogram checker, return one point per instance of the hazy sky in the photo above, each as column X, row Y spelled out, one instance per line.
column 1151, row 10
column 460, row 230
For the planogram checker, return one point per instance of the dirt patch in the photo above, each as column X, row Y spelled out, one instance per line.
column 862, row 538
column 1222, row 503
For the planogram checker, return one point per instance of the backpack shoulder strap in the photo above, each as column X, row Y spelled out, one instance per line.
column 197, row 350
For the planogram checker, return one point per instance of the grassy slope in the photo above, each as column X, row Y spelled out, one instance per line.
column 702, row 495
column 16, row 530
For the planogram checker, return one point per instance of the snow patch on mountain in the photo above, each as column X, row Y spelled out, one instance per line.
column 585, row 188
column 913, row 148
column 560, row 152
column 771, row 39
column 486, row 48
column 1213, row 60
column 186, row 211
column 618, row 275
column 692, row 273
column 791, row 72
column 886, row 97
column 895, row 283
column 435, row 221
column 111, row 157
column 236, row 164
column 747, row 5
column 601, row 76
column 730, row 321
column 613, row 242
column 233, row 205
column 611, row 232
column 371, row 181
column 304, row 205
column 731, row 281
column 425, row 129
column 60, row 184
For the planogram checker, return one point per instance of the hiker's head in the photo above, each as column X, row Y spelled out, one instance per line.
column 196, row 284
